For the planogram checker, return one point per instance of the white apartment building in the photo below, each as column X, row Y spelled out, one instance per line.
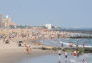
column 49, row 26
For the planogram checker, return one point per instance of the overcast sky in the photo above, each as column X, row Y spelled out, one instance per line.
column 65, row 13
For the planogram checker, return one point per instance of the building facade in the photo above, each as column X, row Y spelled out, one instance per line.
column 6, row 22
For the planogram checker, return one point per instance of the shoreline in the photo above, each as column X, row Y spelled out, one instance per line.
column 15, row 55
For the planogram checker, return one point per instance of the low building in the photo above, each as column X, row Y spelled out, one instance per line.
column 48, row 26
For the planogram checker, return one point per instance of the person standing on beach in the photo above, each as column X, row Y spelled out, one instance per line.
column 59, row 53
column 28, row 48
column 65, row 53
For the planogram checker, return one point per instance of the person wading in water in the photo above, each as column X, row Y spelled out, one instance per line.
column 65, row 53
column 59, row 53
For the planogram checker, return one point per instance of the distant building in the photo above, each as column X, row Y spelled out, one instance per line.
column 6, row 21
column 49, row 26
column 52, row 27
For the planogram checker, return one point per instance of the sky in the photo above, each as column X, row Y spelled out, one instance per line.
column 64, row 13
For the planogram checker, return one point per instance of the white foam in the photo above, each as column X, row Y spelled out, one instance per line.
column 67, row 44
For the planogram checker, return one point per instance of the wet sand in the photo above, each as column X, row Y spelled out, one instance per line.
column 11, row 53
column 15, row 55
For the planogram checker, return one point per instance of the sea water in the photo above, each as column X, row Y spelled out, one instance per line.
column 54, row 58
column 80, row 41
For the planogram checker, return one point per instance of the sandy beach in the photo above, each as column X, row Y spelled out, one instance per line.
column 11, row 53
column 14, row 55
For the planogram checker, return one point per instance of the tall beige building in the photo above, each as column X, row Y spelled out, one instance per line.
column 6, row 21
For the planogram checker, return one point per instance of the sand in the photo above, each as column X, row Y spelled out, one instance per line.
column 15, row 55
column 11, row 53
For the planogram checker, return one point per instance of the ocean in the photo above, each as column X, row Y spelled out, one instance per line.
column 66, row 41
column 55, row 58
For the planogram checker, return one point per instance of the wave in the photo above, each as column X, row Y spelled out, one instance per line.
column 74, row 45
